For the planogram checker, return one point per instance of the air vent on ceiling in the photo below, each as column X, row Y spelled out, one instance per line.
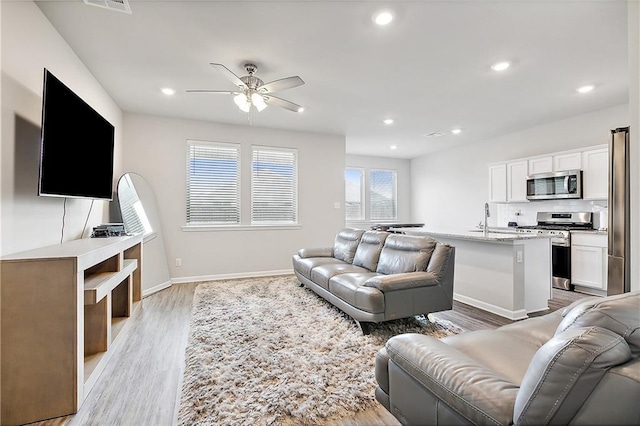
column 118, row 5
column 433, row 135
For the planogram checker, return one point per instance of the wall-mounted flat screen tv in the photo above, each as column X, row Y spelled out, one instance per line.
column 76, row 146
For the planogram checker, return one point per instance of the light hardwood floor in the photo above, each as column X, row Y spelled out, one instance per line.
column 141, row 385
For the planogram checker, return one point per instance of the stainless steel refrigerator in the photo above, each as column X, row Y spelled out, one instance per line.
column 619, row 244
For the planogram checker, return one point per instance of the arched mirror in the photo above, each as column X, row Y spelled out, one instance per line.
column 140, row 215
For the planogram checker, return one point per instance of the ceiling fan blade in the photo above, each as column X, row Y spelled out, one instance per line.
column 215, row 92
column 282, row 84
column 279, row 102
column 229, row 75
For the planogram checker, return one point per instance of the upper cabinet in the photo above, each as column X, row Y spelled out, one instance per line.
column 517, row 181
column 555, row 163
column 540, row 165
column 570, row 161
column 595, row 174
column 508, row 180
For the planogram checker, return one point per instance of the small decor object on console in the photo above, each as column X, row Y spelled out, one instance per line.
column 108, row 230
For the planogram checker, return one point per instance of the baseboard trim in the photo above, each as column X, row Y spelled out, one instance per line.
column 157, row 288
column 219, row 277
column 506, row 313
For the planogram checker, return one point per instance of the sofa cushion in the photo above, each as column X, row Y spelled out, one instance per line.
column 349, row 287
column 405, row 253
column 496, row 350
column 346, row 244
column 304, row 266
column 323, row 273
column 564, row 372
column 479, row 394
column 536, row 330
column 620, row 314
column 368, row 252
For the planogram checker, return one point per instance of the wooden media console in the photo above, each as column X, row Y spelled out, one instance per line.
column 64, row 309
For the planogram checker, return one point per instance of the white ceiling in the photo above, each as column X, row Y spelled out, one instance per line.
column 429, row 69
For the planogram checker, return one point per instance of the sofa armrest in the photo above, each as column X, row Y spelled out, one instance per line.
column 316, row 252
column 402, row 281
column 478, row 393
column 565, row 371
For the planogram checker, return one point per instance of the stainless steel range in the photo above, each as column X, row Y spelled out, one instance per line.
column 559, row 226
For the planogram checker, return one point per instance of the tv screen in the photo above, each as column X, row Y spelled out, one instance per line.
column 76, row 146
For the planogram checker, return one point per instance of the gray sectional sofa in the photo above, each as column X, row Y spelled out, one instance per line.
column 577, row 366
column 376, row 276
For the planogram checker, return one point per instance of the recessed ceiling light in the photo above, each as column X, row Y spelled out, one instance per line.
column 500, row 66
column 456, row 131
column 383, row 18
column 388, row 121
column 394, row 147
column 168, row 91
column 585, row 89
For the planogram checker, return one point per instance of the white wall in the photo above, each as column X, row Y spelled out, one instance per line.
column 449, row 188
column 156, row 149
column 30, row 44
column 403, row 167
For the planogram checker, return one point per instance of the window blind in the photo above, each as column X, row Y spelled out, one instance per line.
column 213, row 183
column 382, row 192
column 274, row 186
column 354, row 194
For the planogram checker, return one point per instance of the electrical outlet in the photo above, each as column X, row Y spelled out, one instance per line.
column 336, row 205
column 519, row 256
column 178, row 261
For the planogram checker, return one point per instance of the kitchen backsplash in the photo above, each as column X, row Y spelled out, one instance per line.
column 525, row 213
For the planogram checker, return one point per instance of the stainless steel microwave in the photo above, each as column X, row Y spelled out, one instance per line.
column 551, row 186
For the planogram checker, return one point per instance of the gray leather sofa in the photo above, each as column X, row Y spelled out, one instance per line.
column 577, row 366
column 376, row 276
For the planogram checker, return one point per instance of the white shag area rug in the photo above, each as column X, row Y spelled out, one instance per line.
column 265, row 351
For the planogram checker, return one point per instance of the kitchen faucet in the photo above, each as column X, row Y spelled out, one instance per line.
column 487, row 214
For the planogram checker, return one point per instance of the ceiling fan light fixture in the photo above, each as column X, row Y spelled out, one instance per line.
column 300, row 109
column 242, row 101
column 258, row 101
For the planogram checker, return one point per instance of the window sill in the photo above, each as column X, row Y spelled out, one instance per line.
column 217, row 228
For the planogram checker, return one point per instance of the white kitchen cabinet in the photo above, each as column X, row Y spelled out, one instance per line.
column 568, row 161
column 595, row 174
column 517, row 181
column 589, row 260
column 540, row 165
column 498, row 183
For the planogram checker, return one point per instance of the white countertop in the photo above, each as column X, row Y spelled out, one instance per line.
column 593, row 232
column 476, row 235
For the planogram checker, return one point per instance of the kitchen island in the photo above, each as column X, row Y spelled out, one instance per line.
column 508, row 274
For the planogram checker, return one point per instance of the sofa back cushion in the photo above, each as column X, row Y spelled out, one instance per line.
column 619, row 313
column 346, row 243
column 405, row 253
column 368, row 252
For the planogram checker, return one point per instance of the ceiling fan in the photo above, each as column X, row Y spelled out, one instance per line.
column 254, row 92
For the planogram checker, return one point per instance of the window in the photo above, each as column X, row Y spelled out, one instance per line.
column 274, row 186
column 382, row 193
column 213, row 183
column 354, row 194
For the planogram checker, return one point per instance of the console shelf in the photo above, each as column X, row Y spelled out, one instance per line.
column 64, row 309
